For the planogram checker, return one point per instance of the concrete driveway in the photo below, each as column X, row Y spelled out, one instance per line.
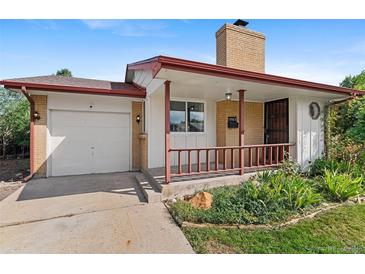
column 102, row 213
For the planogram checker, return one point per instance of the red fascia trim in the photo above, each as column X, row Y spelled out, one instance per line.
column 138, row 93
column 221, row 71
column 215, row 70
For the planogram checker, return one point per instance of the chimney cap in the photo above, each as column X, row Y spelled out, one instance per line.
column 240, row 23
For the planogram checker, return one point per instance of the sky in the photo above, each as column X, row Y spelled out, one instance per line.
column 322, row 51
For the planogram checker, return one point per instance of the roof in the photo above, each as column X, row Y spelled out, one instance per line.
column 73, row 84
column 155, row 64
column 159, row 62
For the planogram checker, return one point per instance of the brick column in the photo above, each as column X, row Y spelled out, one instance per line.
column 143, row 139
column 40, row 136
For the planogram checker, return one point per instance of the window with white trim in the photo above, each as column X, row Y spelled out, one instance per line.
column 186, row 116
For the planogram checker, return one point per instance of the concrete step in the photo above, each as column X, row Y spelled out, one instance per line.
column 151, row 194
column 152, row 180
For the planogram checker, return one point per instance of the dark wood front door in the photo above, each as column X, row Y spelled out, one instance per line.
column 277, row 122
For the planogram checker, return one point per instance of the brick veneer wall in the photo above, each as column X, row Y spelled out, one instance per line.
column 253, row 119
column 136, row 131
column 40, row 136
column 241, row 48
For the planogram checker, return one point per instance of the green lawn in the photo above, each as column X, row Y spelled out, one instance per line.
column 341, row 230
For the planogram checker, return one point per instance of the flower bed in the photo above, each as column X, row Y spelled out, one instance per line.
column 272, row 197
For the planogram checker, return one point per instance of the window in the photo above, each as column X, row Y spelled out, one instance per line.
column 177, row 117
column 186, row 116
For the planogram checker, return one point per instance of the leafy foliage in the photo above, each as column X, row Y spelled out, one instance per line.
column 14, row 119
column 355, row 82
column 64, row 72
column 350, row 120
column 341, row 187
column 272, row 197
column 345, row 124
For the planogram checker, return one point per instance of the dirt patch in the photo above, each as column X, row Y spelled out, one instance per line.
column 7, row 188
column 12, row 173
column 13, row 170
column 214, row 247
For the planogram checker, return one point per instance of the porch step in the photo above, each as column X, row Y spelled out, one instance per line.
column 152, row 180
column 151, row 194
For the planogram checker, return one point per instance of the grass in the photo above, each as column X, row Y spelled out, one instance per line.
column 341, row 230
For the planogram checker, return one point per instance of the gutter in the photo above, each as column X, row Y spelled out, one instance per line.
column 341, row 100
column 31, row 156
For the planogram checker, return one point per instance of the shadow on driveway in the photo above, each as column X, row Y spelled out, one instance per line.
column 118, row 183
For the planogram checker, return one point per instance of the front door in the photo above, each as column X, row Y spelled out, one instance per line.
column 277, row 122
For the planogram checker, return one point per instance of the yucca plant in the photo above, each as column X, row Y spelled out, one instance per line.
column 300, row 193
column 341, row 187
column 264, row 176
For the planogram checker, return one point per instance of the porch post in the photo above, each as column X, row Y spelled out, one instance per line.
column 167, row 133
column 241, row 130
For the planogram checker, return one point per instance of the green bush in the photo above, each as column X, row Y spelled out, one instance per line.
column 340, row 187
column 319, row 166
column 355, row 170
column 272, row 197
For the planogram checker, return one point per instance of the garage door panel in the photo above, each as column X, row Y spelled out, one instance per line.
column 89, row 142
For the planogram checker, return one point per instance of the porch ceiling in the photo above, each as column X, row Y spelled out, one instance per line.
column 195, row 85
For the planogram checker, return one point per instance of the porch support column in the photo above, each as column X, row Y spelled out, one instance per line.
column 167, row 133
column 241, row 137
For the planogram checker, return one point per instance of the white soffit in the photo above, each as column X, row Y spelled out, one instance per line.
column 204, row 86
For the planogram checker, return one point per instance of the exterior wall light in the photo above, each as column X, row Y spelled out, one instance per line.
column 228, row 96
column 138, row 119
column 36, row 115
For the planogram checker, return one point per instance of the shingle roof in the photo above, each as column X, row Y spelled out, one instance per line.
column 54, row 82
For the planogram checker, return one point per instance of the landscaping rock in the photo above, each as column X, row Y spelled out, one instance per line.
column 202, row 200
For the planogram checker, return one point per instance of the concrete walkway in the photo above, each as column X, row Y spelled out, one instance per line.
column 103, row 213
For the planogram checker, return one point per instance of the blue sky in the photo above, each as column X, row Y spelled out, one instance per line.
column 316, row 50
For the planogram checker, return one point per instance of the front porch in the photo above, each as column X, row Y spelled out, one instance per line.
column 215, row 161
column 212, row 122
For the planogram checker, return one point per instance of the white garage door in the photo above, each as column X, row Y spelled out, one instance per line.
column 89, row 142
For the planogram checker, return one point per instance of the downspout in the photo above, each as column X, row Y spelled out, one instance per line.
column 31, row 147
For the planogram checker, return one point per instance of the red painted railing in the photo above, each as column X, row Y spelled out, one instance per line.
column 216, row 160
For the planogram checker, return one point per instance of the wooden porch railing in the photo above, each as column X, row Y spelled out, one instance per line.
column 267, row 155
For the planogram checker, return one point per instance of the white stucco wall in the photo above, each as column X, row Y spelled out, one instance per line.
column 156, row 128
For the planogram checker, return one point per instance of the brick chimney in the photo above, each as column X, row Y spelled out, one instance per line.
column 241, row 48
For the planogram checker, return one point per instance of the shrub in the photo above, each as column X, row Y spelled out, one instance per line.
column 320, row 165
column 290, row 167
column 340, row 187
column 272, row 198
column 294, row 192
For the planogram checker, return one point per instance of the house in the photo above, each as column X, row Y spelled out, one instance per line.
column 179, row 116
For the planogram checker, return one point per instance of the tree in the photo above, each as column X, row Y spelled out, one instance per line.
column 14, row 120
column 64, row 72
column 355, row 82
column 345, row 124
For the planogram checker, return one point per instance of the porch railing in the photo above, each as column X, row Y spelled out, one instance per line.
column 216, row 160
